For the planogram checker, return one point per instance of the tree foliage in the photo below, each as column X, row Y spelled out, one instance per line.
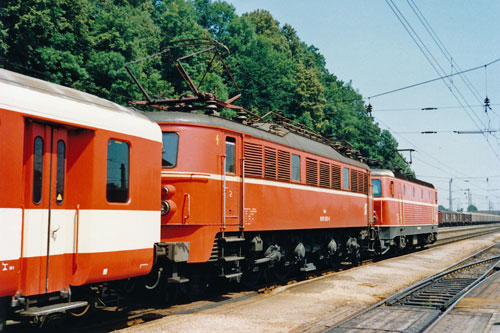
column 471, row 208
column 86, row 43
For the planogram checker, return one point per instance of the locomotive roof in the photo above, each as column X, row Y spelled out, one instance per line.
column 261, row 130
column 47, row 100
column 382, row 172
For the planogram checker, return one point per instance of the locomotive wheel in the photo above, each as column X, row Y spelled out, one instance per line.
column 281, row 271
column 54, row 322
column 356, row 257
column 4, row 301
column 252, row 278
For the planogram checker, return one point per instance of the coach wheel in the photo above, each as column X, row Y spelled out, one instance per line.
column 4, row 301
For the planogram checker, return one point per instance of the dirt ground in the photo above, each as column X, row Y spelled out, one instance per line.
column 316, row 304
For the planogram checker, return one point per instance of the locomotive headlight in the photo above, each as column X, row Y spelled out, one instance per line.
column 167, row 191
column 165, row 208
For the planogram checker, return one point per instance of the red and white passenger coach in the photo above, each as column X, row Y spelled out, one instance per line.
column 79, row 191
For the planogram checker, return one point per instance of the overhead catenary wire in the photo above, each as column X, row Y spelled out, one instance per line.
column 433, row 80
column 430, row 57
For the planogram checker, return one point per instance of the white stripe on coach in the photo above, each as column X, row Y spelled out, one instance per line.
column 10, row 233
column 48, row 105
column 99, row 231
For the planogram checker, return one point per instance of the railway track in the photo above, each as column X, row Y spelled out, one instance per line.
column 122, row 313
column 453, row 234
column 419, row 306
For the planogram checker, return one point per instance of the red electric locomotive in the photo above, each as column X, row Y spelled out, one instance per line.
column 257, row 197
column 406, row 209
column 79, row 198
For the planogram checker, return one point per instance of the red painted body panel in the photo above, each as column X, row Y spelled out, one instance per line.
column 405, row 203
column 269, row 204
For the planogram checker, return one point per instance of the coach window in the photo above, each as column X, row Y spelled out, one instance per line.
column 170, row 147
column 377, row 188
column 37, row 170
column 404, row 189
column 422, row 193
column 296, row 167
column 413, row 188
column 230, row 155
column 117, row 182
column 346, row 178
column 61, row 171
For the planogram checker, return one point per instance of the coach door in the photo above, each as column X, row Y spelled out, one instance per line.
column 232, row 181
column 47, row 221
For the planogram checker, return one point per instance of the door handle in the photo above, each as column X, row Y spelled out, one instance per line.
column 189, row 206
column 53, row 232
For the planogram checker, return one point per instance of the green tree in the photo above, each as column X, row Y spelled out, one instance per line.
column 85, row 44
column 472, row 208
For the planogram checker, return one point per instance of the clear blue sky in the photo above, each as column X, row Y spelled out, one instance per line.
column 365, row 44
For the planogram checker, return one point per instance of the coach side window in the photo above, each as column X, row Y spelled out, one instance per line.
column 61, row 171
column 346, row 178
column 296, row 167
column 170, row 147
column 37, row 169
column 117, row 181
column 230, row 155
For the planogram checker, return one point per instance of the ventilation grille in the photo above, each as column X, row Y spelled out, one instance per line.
column 311, row 171
column 270, row 163
column 283, row 165
column 354, row 181
column 324, row 174
column 359, row 182
column 336, row 177
column 253, row 159
column 365, row 183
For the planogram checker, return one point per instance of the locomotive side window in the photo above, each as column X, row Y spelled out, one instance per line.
column 296, row 167
column 377, row 188
column 170, row 147
column 37, row 170
column 61, row 170
column 230, row 155
column 117, row 182
column 346, row 178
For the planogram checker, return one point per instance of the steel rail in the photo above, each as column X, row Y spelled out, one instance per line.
column 435, row 322
column 417, row 285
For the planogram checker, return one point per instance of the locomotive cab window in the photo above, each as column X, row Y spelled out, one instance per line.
column 296, row 168
column 346, row 178
column 117, row 176
column 230, row 155
column 170, row 147
column 377, row 188
column 37, row 170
